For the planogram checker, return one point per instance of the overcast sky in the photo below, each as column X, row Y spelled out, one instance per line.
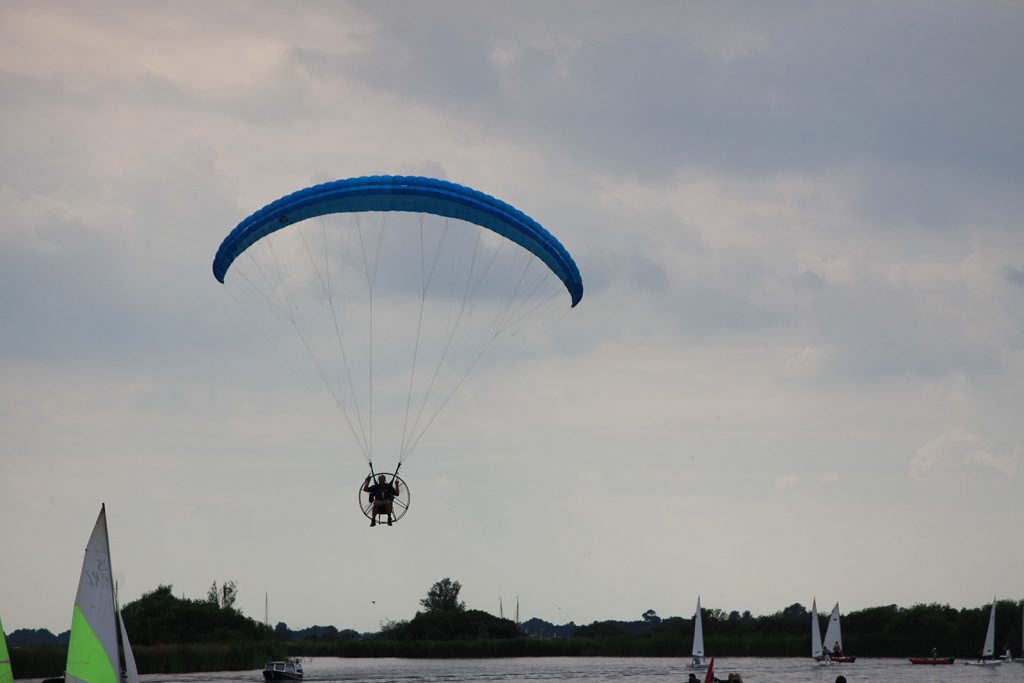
column 797, row 370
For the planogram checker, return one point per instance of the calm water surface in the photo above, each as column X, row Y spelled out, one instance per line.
column 580, row 669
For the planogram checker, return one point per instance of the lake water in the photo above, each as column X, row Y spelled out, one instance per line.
column 634, row 670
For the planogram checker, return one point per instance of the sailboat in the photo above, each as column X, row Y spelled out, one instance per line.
column 99, row 650
column 698, row 640
column 6, row 674
column 834, row 639
column 820, row 656
column 989, row 648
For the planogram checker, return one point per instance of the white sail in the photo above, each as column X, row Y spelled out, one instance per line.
column 698, row 635
column 833, row 633
column 6, row 674
column 93, row 651
column 990, row 636
column 131, row 672
column 815, row 631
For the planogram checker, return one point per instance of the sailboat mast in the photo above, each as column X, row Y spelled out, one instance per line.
column 113, row 591
column 117, row 618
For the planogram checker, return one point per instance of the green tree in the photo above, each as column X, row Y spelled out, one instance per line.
column 443, row 596
column 160, row 617
column 463, row 624
column 602, row 629
column 224, row 597
column 228, row 594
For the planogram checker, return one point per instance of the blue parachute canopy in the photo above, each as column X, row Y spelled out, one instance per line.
column 403, row 193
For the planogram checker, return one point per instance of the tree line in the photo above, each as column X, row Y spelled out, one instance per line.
column 173, row 634
column 887, row 631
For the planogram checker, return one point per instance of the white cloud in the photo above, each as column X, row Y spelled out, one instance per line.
column 954, row 449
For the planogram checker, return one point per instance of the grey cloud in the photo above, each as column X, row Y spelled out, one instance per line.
column 710, row 311
column 809, row 280
column 830, row 87
column 1014, row 275
column 880, row 331
column 132, row 292
column 646, row 275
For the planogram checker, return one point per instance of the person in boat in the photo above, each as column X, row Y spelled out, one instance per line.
column 732, row 678
column 382, row 496
column 693, row 679
column 837, row 651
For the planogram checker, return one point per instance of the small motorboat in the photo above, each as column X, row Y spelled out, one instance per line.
column 931, row 660
column 288, row 670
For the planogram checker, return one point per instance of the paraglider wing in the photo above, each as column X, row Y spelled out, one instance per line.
column 396, row 286
column 403, row 193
